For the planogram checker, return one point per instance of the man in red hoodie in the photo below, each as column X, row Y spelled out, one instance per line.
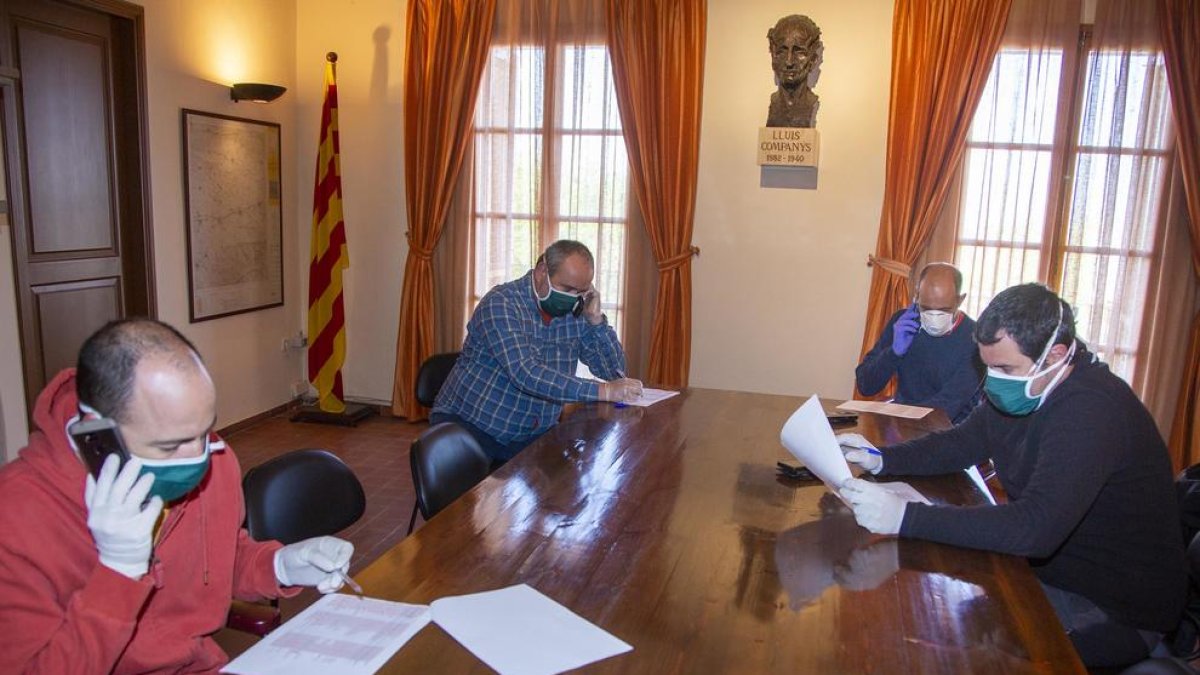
column 133, row 570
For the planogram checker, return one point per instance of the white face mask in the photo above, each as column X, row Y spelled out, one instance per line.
column 937, row 323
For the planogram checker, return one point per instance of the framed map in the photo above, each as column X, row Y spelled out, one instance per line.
column 234, row 214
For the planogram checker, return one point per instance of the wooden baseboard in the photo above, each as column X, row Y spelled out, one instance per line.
column 255, row 419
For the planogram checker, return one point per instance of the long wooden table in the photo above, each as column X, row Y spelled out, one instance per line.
column 668, row 527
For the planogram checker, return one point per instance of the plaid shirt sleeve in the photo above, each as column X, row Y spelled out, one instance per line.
column 517, row 354
column 602, row 352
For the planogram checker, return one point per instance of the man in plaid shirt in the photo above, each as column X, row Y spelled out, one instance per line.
column 517, row 366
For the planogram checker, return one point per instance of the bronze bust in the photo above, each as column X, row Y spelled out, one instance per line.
column 796, row 51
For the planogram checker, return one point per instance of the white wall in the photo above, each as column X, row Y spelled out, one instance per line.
column 368, row 36
column 780, row 288
column 194, row 51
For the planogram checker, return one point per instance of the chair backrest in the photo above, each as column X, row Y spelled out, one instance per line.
column 446, row 462
column 432, row 374
column 302, row 494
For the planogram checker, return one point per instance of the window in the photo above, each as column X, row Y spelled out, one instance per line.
column 1063, row 181
column 520, row 205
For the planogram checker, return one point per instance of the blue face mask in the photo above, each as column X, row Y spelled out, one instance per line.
column 174, row 478
column 1011, row 393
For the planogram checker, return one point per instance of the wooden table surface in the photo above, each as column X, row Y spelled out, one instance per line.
column 667, row 527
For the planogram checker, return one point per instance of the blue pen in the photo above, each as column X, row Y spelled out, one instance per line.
column 873, row 451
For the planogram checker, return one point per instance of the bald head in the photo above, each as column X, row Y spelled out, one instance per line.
column 109, row 362
column 939, row 287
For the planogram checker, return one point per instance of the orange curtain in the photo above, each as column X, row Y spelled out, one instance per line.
column 657, row 49
column 448, row 44
column 1180, row 24
column 942, row 53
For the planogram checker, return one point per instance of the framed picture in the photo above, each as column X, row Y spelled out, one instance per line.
column 233, row 199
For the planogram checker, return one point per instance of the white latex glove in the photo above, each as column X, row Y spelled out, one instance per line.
column 320, row 562
column 875, row 508
column 122, row 529
column 854, row 447
column 618, row 391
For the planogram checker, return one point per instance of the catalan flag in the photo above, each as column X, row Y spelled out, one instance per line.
column 329, row 256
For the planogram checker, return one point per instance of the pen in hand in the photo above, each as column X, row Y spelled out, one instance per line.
column 351, row 583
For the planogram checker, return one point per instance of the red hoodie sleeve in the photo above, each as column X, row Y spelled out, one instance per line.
column 254, row 570
column 88, row 634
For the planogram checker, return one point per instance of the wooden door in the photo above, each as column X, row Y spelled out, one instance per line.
column 74, row 117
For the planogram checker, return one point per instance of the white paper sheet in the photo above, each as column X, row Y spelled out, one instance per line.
column 808, row 436
column 977, row 478
column 905, row 491
column 519, row 631
column 911, row 412
column 337, row 635
column 651, row 396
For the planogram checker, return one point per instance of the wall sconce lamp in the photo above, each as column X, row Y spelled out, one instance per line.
column 256, row 92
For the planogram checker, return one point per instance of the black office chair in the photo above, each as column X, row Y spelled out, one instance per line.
column 446, row 461
column 1183, row 643
column 293, row 497
column 432, row 375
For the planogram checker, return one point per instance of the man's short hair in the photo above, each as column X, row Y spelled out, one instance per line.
column 108, row 361
column 958, row 279
column 1028, row 314
column 562, row 249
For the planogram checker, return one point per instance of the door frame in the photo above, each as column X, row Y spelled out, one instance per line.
column 134, row 198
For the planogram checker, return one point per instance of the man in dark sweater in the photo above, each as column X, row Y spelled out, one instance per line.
column 928, row 347
column 1088, row 478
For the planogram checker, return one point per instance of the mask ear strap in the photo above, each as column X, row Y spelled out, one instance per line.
column 1049, row 343
column 85, row 410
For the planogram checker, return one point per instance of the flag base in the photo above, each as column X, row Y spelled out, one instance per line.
column 350, row 417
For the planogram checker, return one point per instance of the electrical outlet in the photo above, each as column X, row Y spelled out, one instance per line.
column 297, row 341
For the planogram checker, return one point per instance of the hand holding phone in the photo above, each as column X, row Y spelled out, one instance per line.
column 905, row 330
column 96, row 440
column 121, row 518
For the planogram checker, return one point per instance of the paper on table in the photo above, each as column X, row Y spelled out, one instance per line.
column 808, row 436
column 977, row 478
column 651, row 396
column 904, row 491
column 519, row 631
column 342, row 634
column 911, row 412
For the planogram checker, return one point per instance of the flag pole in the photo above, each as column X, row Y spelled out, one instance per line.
column 329, row 256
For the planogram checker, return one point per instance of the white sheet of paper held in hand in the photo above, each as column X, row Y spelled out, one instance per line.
column 808, row 436
column 339, row 633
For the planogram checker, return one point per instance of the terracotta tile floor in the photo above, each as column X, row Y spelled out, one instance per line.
column 376, row 450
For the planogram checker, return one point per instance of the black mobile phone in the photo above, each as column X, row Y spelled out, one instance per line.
column 96, row 440
column 794, row 472
column 841, row 419
column 580, row 303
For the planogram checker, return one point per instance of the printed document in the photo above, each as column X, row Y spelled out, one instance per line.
column 342, row 634
column 515, row 630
